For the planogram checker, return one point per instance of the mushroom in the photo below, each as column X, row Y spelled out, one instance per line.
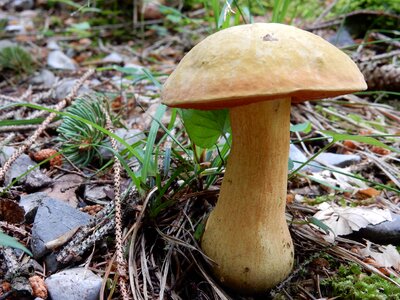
column 256, row 71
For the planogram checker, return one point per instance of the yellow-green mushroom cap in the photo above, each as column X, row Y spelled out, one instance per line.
column 260, row 62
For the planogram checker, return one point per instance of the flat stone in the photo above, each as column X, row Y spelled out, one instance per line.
column 334, row 159
column 341, row 38
column 74, row 284
column 53, row 219
column 37, row 180
column 298, row 158
column 113, row 58
column 97, row 193
column 20, row 166
column 53, row 45
column 30, row 203
column 338, row 160
column 58, row 60
column 65, row 86
column 387, row 232
column 45, row 78
column 64, row 188
column 7, row 43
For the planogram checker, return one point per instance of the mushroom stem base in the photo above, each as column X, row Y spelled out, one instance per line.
column 246, row 234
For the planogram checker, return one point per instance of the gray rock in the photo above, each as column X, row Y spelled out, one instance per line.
column 19, row 5
column 298, row 157
column 65, row 86
column 342, row 38
column 113, row 58
column 53, row 219
column 337, row 160
column 387, row 232
column 97, row 193
column 58, row 60
column 130, row 136
column 74, row 284
column 52, row 45
column 45, row 78
column 21, row 165
column 64, row 188
column 37, row 180
column 30, row 203
column 7, row 43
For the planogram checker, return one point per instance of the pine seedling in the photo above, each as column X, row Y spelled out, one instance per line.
column 80, row 141
column 16, row 59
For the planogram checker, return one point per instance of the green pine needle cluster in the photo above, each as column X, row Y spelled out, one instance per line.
column 80, row 141
column 16, row 59
column 350, row 283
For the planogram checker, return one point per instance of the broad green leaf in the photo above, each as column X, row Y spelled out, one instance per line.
column 337, row 137
column 302, row 127
column 8, row 241
column 205, row 126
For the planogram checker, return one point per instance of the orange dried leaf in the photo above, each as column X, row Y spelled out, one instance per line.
column 350, row 145
column 380, row 150
column 368, row 193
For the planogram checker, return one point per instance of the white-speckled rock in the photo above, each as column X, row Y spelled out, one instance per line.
column 58, row 60
column 74, row 284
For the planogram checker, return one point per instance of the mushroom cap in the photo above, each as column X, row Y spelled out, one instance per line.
column 258, row 62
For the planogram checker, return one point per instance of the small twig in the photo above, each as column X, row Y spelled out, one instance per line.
column 14, row 128
column 381, row 56
column 45, row 124
column 325, row 12
column 7, row 140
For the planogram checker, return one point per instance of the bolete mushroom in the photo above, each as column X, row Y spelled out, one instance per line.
column 256, row 71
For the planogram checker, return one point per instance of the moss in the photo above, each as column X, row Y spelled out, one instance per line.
column 350, row 283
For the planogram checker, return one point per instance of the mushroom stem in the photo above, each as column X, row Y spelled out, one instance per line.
column 246, row 234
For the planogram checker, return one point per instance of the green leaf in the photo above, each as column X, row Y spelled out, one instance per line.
column 205, row 127
column 199, row 231
column 302, row 127
column 337, row 137
column 319, row 224
column 8, row 241
column 290, row 164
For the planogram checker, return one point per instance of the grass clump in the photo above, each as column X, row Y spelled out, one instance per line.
column 350, row 283
column 16, row 59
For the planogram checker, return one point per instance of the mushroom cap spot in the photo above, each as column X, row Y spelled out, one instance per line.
column 259, row 62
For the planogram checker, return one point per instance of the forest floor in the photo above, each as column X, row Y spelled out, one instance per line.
column 140, row 214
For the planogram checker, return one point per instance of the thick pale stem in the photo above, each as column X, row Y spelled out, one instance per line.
column 246, row 234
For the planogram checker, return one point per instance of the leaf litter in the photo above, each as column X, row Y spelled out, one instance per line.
column 164, row 256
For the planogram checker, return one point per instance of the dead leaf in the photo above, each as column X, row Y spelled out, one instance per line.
column 380, row 150
column 345, row 220
column 368, row 193
column 11, row 212
column 64, row 188
column 388, row 257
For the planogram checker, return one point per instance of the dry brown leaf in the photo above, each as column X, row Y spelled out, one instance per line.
column 368, row 193
column 11, row 212
column 380, row 150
